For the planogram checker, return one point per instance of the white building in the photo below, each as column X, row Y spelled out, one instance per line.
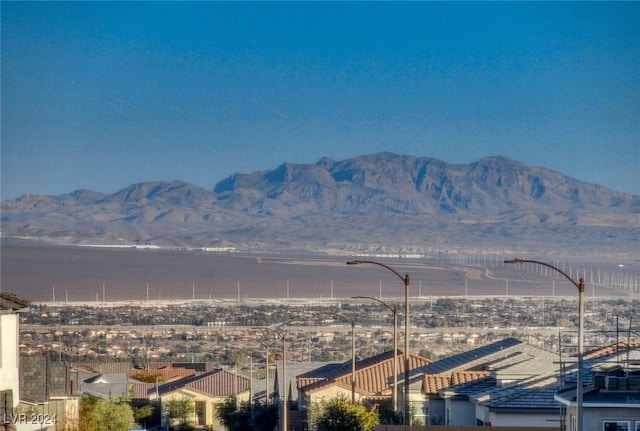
column 10, row 306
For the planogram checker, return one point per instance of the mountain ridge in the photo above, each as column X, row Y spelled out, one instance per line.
column 376, row 201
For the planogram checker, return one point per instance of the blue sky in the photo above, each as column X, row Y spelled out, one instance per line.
column 101, row 95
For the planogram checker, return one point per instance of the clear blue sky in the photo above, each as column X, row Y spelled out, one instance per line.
column 101, row 95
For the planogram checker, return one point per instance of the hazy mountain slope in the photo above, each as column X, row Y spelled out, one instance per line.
column 385, row 182
column 372, row 202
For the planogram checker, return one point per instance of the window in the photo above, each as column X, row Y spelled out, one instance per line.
column 615, row 425
column 637, row 425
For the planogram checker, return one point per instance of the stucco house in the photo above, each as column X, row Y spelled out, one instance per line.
column 373, row 381
column 10, row 307
column 205, row 391
column 611, row 399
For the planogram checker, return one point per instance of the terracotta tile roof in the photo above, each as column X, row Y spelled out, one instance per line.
column 199, row 367
column 9, row 301
column 308, row 381
column 611, row 349
column 221, row 383
column 458, row 377
column 168, row 374
column 372, row 374
column 142, row 390
column 435, row 382
column 102, row 367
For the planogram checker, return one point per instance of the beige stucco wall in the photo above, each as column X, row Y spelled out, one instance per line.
column 9, row 376
column 211, row 404
column 593, row 417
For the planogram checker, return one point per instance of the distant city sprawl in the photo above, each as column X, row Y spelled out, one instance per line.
column 183, row 331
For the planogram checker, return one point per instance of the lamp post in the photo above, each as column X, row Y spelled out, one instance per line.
column 394, row 310
column 405, row 280
column 282, row 337
column 235, row 385
column 580, row 286
column 266, row 373
column 353, row 351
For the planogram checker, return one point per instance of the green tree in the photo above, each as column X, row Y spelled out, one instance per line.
column 340, row 414
column 88, row 404
column 142, row 414
column 110, row 415
column 244, row 418
column 181, row 409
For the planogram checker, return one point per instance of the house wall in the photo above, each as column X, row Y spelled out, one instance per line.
column 436, row 411
column 211, row 404
column 332, row 392
column 593, row 417
column 418, row 407
column 482, row 413
column 460, row 412
column 525, row 419
column 9, row 361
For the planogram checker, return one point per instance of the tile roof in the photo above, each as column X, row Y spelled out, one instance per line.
column 198, row 367
column 535, row 392
column 527, row 398
column 111, row 367
column 220, row 383
column 601, row 397
column 167, row 374
column 472, row 358
column 11, row 302
column 142, row 390
column 105, row 385
column 373, row 374
column 433, row 383
column 612, row 349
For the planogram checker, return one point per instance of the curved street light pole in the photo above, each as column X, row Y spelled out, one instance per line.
column 282, row 336
column 235, row 372
column 266, row 373
column 394, row 310
column 580, row 286
column 405, row 280
column 353, row 351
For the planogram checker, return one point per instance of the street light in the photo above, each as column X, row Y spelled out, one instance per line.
column 394, row 310
column 266, row 371
column 235, row 387
column 353, row 351
column 405, row 280
column 580, row 286
column 282, row 337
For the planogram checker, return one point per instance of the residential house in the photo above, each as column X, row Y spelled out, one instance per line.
column 205, row 391
column 373, row 381
column 528, row 402
column 611, row 400
column 452, row 386
column 106, row 386
column 10, row 306
column 296, row 414
column 436, row 405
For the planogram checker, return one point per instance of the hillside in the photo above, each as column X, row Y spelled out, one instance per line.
column 372, row 203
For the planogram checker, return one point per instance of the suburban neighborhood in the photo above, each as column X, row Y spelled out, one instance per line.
column 514, row 376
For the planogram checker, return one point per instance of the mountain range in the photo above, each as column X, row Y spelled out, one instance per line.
column 378, row 203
